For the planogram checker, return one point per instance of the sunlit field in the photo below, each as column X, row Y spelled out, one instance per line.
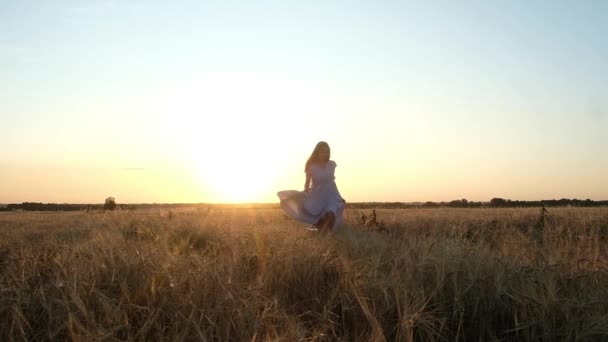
column 220, row 274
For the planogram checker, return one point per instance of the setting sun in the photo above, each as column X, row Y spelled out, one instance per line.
column 233, row 175
column 227, row 135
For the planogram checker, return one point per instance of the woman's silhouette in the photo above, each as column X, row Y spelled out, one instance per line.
column 320, row 204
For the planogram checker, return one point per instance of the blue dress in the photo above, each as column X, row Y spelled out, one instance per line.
column 323, row 197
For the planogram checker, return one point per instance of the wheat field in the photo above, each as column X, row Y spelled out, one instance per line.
column 228, row 274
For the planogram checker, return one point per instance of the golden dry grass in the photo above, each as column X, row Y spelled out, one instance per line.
column 252, row 274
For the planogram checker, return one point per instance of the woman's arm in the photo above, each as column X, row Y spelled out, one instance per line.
column 307, row 182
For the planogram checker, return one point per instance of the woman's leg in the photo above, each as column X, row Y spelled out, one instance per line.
column 327, row 222
column 321, row 223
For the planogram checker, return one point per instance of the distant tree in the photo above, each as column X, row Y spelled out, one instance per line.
column 430, row 205
column 110, row 204
column 498, row 202
column 460, row 203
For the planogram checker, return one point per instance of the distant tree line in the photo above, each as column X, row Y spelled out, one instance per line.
column 111, row 205
column 501, row 202
column 461, row 203
column 494, row 203
column 35, row 206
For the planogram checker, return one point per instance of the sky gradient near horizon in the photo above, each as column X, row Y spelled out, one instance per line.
column 196, row 101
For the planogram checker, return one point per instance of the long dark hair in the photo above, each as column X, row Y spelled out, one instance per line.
column 315, row 154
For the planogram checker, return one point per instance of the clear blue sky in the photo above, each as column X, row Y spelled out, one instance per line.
column 419, row 100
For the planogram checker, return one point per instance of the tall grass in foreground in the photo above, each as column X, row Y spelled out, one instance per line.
column 442, row 274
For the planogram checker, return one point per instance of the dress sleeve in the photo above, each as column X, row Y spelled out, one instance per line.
column 333, row 169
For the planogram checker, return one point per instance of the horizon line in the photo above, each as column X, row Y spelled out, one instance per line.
column 277, row 202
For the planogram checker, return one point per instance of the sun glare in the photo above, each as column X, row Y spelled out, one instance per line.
column 234, row 177
column 226, row 128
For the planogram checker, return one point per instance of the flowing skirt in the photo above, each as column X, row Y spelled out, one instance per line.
column 310, row 207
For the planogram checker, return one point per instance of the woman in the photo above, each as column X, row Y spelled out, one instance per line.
column 320, row 204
